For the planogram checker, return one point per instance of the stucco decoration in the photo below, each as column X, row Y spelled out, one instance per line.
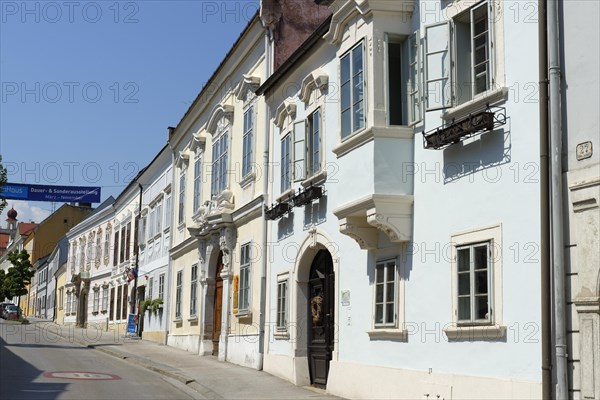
column 392, row 214
column 220, row 118
column 318, row 79
column 344, row 10
column 183, row 157
column 285, row 109
column 363, row 233
column 198, row 142
column 246, row 88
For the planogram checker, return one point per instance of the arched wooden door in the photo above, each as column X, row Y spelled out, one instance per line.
column 218, row 305
column 321, row 318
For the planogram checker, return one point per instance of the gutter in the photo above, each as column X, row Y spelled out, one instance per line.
column 265, row 198
column 556, row 203
column 546, row 284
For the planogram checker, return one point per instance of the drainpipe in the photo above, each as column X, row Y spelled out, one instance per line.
column 167, row 294
column 265, row 227
column 546, row 284
column 554, row 74
column 136, row 308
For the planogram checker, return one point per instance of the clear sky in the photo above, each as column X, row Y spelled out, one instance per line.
column 88, row 88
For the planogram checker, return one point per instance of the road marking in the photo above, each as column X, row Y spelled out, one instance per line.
column 90, row 376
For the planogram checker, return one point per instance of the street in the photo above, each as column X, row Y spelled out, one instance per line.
column 36, row 364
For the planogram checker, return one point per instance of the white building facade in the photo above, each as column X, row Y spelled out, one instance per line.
column 404, row 245
column 154, row 238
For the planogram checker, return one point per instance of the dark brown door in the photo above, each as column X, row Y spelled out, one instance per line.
column 218, row 306
column 321, row 320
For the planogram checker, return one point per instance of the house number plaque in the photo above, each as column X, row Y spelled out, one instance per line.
column 584, row 150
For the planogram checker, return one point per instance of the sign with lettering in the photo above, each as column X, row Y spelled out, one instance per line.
column 60, row 194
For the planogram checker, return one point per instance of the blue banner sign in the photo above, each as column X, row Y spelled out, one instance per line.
column 60, row 194
column 131, row 324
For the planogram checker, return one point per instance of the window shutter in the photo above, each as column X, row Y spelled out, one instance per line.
column 414, row 92
column 299, row 151
column 438, row 77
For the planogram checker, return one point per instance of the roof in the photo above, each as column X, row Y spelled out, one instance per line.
column 25, row 228
column 106, row 203
column 207, row 85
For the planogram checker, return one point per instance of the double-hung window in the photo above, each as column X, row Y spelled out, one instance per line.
column 459, row 58
column 178, row 293
column 286, row 177
column 245, row 263
column 194, row 291
column 167, row 215
column 352, row 106
column 247, row 158
column 150, row 288
column 181, row 215
column 161, row 286
column 197, row 182
column 473, row 269
column 104, row 298
column 220, row 151
column 386, row 286
column 313, row 145
column 158, row 219
column 282, row 287
column 96, row 300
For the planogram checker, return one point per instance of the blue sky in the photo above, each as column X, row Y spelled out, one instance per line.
column 88, row 88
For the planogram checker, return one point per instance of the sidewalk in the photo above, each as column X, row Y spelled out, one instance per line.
column 206, row 376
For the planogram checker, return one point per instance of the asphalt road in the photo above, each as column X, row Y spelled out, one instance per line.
column 37, row 365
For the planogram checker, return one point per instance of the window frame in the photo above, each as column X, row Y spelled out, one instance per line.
column 385, row 264
column 104, row 306
column 220, row 162
column 161, row 286
column 248, row 141
column 494, row 328
column 286, row 164
column 349, row 54
column 314, row 153
column 472, row 295
column 197, row 182
column 245, row 278
column 182, row 183
column 282, row 309
column 150, row 287
column 194, row 291
column 178, row 294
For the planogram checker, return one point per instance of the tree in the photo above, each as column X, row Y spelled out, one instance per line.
column 3, row 292
column 19, row 275
column 2, row 182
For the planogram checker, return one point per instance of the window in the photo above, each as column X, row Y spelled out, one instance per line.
column 197, row 182
column 61, row 298
column 194, row 291
column 116, row 249
column 127, row 240
column 161, row 286
column 385, row 294
column 403, row 69
column 313, row 145
column 106, row 244
column 119, row 299
column 125, row 300
column 178, row 295
column 151, row 216
column 245, row 262
column 111, row 313
column 158, row 218
column 282, row 305
column 98, row 249
column 96, row 306
column 104, row 298
column 477, row 284
column 181, row 215
column 458, row 56
column 142, row 230
column 167, row 223
column 73, row 303
column 248, row 142
column 220, row 163
column 150, row 288
column 286, row 179
column 473, row 283
column 352, row 81
column 68, row 307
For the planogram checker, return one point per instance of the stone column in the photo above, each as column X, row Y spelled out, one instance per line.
column 588, row 313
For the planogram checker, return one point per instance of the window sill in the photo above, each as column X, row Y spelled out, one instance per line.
column 281, row 335
column 181, row 226
column 178, row 320
column 285, row 196
column 400, row 335
column 488, row 332
column 247, row 180
column 358, row 139
column 243, row 314
column 490, row 96
column 316, row 179
column 193, row 318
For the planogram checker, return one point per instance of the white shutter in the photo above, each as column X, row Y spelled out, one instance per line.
column 299, row 163
column 414, row 92
column 438, row 82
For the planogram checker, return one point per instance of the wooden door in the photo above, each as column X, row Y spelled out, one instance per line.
column 218, row 306
column 321, row 319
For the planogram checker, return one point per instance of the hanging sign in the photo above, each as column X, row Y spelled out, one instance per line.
column 60, row 194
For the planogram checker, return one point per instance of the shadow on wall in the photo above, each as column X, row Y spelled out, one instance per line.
column 315, row 213
column 482, row 152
